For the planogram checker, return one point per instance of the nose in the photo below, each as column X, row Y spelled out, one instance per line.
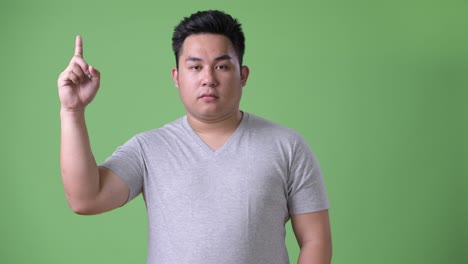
column 209, row 78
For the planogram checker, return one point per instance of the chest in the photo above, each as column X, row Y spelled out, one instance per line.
column 236, row 181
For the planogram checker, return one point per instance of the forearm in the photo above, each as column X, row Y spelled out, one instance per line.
column 80, row 173
column 315, row 253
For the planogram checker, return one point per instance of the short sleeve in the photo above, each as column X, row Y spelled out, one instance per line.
column 306, row 188
column 128, row 163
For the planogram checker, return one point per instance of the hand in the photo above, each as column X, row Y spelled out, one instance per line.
column 79, row 82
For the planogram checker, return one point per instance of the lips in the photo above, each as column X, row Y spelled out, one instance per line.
column 208, row 95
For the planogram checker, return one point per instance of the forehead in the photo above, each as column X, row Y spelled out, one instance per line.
column 207, row 46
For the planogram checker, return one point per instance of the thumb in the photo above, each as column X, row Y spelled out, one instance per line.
column 95, row 74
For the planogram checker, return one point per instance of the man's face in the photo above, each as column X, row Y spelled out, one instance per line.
column 209, row 77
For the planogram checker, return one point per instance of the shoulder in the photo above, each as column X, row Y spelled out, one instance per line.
column 167, row 132
column 270, row 129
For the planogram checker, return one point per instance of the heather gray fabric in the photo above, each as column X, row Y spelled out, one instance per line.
column 227, row 206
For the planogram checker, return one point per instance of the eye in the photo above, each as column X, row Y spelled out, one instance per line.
column 222, row 67
column 195, row 67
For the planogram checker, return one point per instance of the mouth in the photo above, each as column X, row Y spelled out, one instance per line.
column 208, row 96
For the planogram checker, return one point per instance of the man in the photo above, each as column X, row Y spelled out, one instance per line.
column 219, row 184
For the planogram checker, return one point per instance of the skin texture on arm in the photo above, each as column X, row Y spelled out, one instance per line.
column 313, row 234
column 88, row 188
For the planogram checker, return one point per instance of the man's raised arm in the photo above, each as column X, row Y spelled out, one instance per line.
column 89, row 189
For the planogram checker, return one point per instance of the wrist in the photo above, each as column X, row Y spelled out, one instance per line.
column 72, row 113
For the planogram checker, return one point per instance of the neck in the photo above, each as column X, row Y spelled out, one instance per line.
column 225, row 125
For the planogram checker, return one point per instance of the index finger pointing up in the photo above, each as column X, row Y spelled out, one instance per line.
column 78, row 46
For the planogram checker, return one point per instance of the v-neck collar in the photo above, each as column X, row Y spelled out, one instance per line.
column 203, row 145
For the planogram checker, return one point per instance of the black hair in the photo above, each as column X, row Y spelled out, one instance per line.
column 210, row 21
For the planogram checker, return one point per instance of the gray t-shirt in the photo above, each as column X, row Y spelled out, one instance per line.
column 227, row 206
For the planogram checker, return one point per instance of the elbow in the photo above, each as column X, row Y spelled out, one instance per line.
column 81, row 207
column 81, row 210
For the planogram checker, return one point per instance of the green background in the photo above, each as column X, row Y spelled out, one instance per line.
column 378, row 88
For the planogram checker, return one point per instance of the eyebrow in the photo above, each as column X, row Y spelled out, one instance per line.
column 220, row 58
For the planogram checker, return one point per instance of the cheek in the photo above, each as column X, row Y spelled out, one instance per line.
column 235, row 85
column 185, row 82
column 184, row 92
column 188, row 79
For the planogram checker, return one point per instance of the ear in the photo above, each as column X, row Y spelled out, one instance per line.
column 175, row 77
column 244, row 75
